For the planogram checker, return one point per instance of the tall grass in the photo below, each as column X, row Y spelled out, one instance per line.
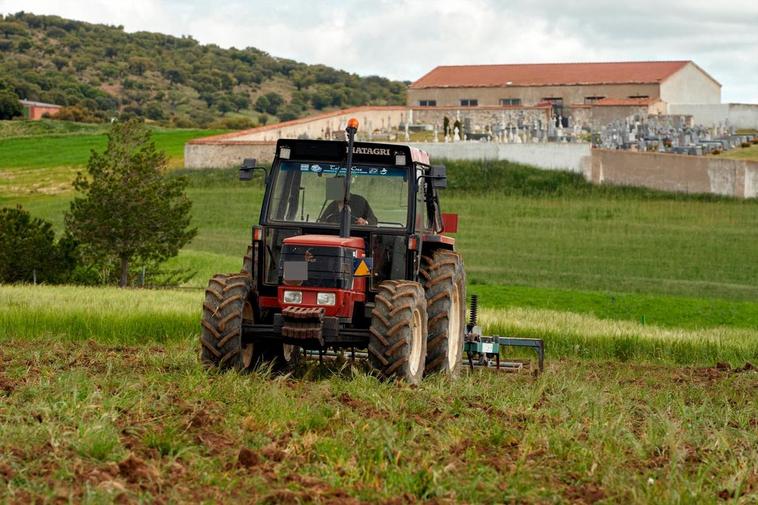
column 654, row 309
column 103, row 314
column 584, row 336
column 118, row 316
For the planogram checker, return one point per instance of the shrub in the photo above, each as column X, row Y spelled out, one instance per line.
column 28, row 250
column 76, row 114
column 10, row 107
column 233, row 123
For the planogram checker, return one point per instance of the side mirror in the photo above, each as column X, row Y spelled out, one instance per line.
column 439, row 176
column 246, row 170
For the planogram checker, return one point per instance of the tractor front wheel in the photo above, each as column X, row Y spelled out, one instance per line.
column 397, row 340
column 445, row 285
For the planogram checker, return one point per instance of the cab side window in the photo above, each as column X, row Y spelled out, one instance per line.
column 422, row 221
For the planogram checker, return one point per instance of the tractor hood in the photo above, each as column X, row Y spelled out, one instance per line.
column 325, row 241
column 325, row 261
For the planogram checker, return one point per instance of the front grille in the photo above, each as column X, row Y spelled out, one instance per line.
column 328, row 267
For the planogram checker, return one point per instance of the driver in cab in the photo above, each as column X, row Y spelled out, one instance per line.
column 360, row 210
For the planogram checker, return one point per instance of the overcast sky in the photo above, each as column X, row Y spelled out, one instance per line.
column 403, row 39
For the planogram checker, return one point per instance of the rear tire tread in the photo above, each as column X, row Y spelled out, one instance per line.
column 221, row 326
column 441, row 270
column 391, row 337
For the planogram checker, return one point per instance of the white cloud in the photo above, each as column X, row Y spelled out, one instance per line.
column 403, row 39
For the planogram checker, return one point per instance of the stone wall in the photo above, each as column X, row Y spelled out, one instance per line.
column 667, row 172
column 225, row 155
column 672, row 172
column 739, row 115
column 326, row 125
column 570, row 157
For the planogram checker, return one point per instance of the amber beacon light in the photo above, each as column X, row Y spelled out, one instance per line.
column 352, row 123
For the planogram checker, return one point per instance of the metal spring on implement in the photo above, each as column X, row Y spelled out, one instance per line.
column 474, row 309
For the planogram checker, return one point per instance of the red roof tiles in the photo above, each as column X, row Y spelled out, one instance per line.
column 548, row 74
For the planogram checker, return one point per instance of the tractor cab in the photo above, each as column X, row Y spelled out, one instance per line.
column 349, row 251
column 394, row 210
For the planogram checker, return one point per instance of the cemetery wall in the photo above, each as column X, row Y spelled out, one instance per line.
column 226, row 155
column 739, row 115
column 322, row 125
column 672, row 172
column 667, row 172
column 552, row 156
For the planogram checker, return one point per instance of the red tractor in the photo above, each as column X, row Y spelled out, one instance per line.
column 349, row 253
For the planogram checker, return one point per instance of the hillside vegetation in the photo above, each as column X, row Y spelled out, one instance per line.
column 171, row 80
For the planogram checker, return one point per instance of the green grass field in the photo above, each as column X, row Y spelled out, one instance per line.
column 637, row 294
column 542, row 241
column 71, row 313
column 42, row 157
column 744, row 153
column 92, row 423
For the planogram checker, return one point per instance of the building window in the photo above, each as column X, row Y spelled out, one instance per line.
column 639, row 96
column 555, row 100
column 427, row 103
column 592, row 99
column 469, row 102
column 510, row 101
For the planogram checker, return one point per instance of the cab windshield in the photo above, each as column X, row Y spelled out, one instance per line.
column 313, row 193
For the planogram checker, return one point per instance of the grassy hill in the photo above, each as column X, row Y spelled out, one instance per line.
column 170, row 80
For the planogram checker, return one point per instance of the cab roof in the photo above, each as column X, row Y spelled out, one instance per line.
column 336, row 151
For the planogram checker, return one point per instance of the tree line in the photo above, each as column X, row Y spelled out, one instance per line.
column 98, row 72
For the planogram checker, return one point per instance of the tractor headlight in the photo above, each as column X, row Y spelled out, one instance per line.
column 326, row 299
column 293, row 297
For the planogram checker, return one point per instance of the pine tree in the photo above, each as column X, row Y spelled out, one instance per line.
column 130, row 210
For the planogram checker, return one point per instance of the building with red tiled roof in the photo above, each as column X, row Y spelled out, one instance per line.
column 37, row 110
column 564, row 84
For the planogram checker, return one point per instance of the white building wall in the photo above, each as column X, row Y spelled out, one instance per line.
column 690, row 85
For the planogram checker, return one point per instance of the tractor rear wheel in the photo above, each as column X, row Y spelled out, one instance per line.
column 397, row 340
column 445, row 285
column 226, row 304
